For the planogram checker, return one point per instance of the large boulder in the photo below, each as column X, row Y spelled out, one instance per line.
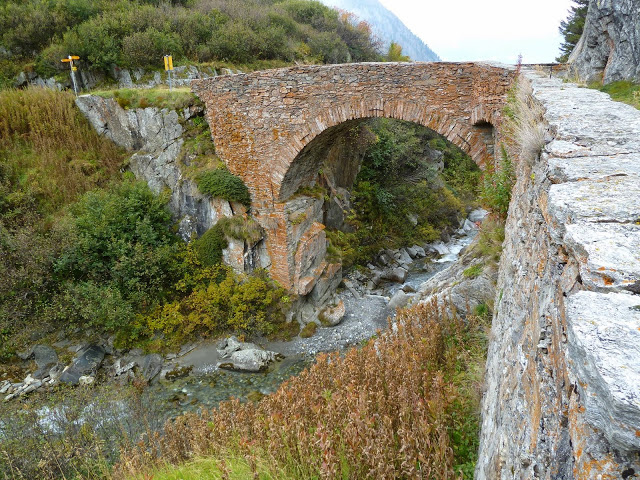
column 399, row 300
column 46, row 358
column 332, row 315
column 609, row 48
column 397, row 275
column 244, row 357
column 250, row 360
column 86, row 363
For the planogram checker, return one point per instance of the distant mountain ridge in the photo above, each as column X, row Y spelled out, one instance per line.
column 388, row 27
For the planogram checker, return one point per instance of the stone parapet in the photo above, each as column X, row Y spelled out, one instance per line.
column 563, row 374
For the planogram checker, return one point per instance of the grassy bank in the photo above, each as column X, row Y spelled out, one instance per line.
column 622, row 91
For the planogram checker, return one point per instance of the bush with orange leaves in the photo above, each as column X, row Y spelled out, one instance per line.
column 394, row 408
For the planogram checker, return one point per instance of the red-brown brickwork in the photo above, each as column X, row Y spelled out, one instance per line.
column 261, row 123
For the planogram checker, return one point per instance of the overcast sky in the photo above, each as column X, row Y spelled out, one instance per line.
column 499, row 30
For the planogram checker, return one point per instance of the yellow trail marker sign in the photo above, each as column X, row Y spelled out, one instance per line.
column 70, row 58
column 168, row 63
column 168, row 66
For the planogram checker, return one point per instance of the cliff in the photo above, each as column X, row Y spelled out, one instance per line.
column 609, row 49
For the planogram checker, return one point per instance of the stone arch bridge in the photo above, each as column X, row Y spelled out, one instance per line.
column 274, row 128
column 562, row 385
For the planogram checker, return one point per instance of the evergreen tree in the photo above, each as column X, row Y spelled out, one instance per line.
column 571, row 28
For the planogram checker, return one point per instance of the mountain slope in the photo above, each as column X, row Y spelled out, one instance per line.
column 388, row 27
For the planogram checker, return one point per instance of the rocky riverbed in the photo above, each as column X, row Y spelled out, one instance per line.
column 204, row 373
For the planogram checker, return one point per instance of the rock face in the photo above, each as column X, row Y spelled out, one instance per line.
column 155, row 138
column 609, row 49
column 562, row 394
column 457, row 291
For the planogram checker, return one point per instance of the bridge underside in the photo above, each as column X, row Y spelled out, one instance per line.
column 264, row 125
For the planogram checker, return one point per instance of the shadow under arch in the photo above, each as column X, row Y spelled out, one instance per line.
column 477, row 141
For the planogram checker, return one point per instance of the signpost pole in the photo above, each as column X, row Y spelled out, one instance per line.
column 70, row 60
column 73, row 76
column 168, row 66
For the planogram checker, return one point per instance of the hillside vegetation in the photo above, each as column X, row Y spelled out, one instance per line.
column 49, row 157
column 86, row 246
column 136, row 34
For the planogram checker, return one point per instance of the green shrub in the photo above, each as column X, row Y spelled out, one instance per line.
column 221, row 183
column 121, row 237
column 236, row 41
column 91, row 305
column 497, row 184
column 328, row 47
column 473, row 271
column 210, row 245
column 309, row 330
column 142, row 49
column 244, row 303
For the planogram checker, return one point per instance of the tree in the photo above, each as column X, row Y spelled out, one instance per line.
column 571, row 28
column 394, row 53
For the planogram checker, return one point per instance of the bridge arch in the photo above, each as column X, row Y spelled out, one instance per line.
column 267, row 127
column 475, row 140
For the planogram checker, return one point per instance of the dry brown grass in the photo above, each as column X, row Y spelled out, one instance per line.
column 386, row 410
column 527, row 127
column 46, row 138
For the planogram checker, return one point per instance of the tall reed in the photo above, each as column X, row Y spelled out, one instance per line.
column 387, row 410
column 51, row 147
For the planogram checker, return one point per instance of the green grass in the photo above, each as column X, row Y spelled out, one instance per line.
column 130, row 98
column 622, row 91
column 212, row 469
column 474, row 271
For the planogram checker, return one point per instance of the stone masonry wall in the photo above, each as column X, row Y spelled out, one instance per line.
column 562, row 396
column 261, row 122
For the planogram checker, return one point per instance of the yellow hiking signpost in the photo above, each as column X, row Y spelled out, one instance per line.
column 168, row 67
column 70, row 60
